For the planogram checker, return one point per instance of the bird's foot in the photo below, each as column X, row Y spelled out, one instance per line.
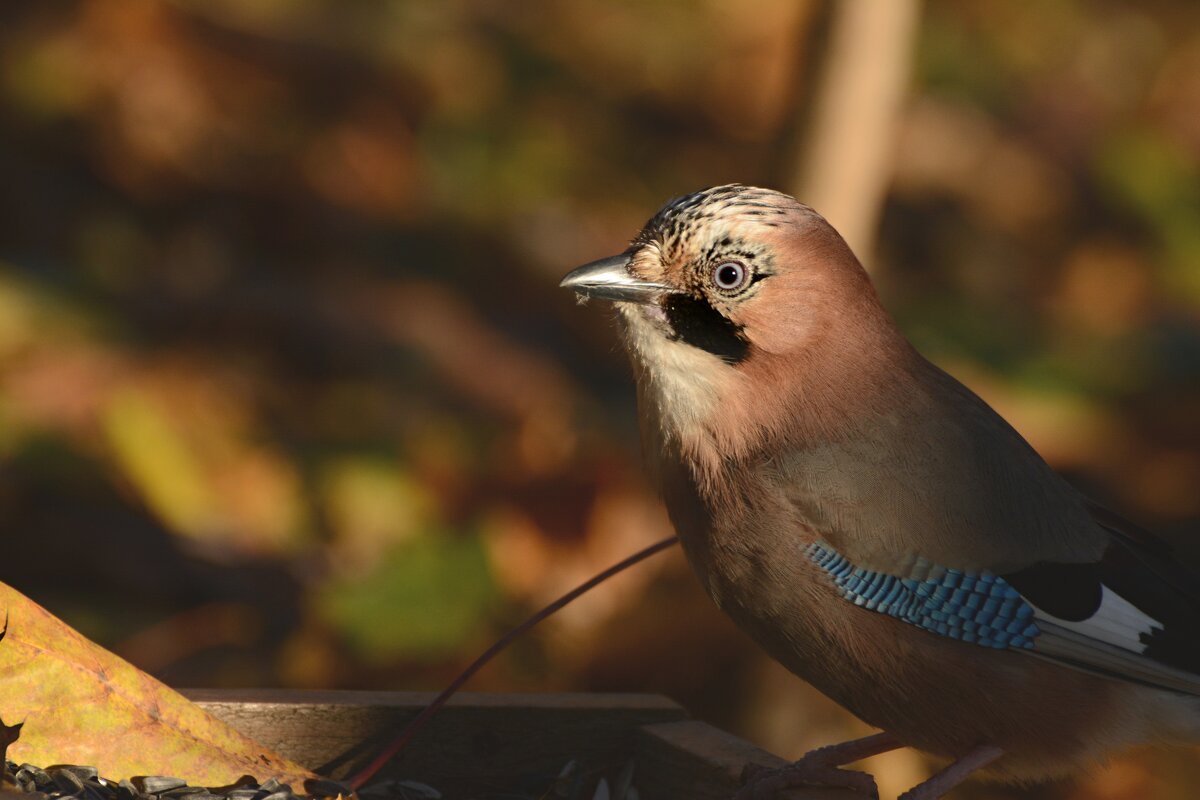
column 819, row 768
column 937, row 786
column 814, row 769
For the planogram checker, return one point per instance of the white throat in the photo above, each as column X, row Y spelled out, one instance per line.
column 677, row 383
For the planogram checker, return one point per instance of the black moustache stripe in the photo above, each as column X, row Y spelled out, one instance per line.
column 697, row 323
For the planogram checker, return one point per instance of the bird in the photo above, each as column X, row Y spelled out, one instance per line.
column 873, row 524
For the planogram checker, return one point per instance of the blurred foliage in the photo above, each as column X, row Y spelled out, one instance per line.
column 288, row 394
column 402, row 606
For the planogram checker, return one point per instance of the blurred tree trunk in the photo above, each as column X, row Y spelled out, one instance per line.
column 844, row 167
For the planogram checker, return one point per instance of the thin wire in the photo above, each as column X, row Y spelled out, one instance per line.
column 359, row 778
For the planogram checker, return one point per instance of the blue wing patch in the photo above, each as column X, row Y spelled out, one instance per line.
column 976, row 607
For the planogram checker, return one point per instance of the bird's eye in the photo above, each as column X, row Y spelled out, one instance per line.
column 729, row 276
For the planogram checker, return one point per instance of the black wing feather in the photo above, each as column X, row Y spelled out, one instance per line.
column 1141, row 570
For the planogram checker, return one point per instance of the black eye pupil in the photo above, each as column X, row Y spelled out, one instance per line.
column 729, row 275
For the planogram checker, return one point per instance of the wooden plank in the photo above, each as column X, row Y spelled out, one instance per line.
column 479, row 742
column 492, row 742
column 695, row 760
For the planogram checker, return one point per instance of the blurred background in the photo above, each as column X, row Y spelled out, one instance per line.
column 289, row 395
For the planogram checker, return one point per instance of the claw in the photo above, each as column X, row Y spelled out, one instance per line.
column 818, row 768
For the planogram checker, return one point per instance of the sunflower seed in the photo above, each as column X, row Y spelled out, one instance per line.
column 41, row 778
column 157, row 784
column 67, row 782
column 327, row 788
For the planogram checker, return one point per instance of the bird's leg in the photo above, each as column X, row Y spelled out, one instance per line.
column 819, row 768
column 954, row 774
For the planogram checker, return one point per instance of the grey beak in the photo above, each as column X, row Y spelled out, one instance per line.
column 609, row 279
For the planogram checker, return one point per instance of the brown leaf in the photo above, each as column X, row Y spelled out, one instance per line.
column 83, row 705
column 8, row 735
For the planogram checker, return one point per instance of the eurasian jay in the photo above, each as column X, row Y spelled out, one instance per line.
column 873, row 524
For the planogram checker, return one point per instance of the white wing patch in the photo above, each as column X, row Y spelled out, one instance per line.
column 1117, row 622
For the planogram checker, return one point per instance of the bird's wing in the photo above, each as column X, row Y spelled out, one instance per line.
column 1133, row 614
column 952, row 522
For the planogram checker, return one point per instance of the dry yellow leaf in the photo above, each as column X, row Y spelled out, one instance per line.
column 80, row 704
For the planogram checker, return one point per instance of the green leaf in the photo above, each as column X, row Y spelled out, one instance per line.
column 423, row 600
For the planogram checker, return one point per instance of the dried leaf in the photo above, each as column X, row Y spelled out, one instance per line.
column 8, row 736
column 8, row 733
column 84, row 705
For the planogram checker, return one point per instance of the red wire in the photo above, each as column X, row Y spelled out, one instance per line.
column 359, row 778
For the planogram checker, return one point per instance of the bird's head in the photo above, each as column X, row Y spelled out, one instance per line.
column 738, row 303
